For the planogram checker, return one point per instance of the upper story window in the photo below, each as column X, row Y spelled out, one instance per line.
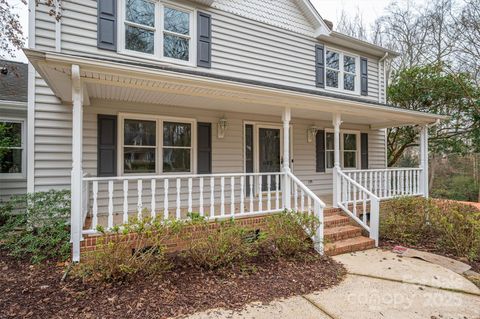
column 341, row 71
column 158, row 30
column 12, row 154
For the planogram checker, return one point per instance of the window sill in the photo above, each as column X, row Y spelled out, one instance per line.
column 12, row 176
column 346, row 92
column 156, row 60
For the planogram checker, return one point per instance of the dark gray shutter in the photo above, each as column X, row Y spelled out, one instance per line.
column 204, row 41
column 320, row 151
column 107, row 145
column 107, row 24
column 364, row 75
column 204, row 145
column 364, row 150
column 320, row 65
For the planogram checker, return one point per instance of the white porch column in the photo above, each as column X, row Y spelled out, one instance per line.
column 286, row 117
column 337, row 121
column 424, row 160
column 77, row 169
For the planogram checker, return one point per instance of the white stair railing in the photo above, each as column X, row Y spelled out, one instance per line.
column 217, row 196
column 300, row 193
column 390, row 182
column 362, row 205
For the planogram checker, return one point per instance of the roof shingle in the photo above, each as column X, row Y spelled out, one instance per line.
column 13, row 81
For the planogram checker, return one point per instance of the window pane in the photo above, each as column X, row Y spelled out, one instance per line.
column 140, row 40
column 176, row 160
column 141, row 12
column 11, row 134
column 349, row 82
column 330, row 159
column 139, row 160
column 333, row 60
column 332, row 78
column 350, row 142
column 177, row 134
column 349, row 64
column 176, row 47
column 349, row 159
column 10, row 161
column 177, row 21
column 330, row 141
column 140, row 133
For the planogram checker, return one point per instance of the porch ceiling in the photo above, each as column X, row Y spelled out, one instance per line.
column 123, row 82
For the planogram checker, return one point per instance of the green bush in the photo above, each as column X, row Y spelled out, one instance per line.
column 36, row 226
column 447, row 226
column 122, row 253
column 289, row 233
column 225, row 244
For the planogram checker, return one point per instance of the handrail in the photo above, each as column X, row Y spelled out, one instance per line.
column 166, row 176
column 383, row 169
column 363, row 188
column 306, row 189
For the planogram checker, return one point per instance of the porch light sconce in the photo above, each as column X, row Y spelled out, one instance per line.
column 221, row 127
column 311, row 133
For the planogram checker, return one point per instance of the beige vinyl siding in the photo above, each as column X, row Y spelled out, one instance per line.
column 241, row 47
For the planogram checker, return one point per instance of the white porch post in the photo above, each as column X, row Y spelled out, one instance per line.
column 337, row 121
column 286, row 117
column 77, row 169
column 424, row 160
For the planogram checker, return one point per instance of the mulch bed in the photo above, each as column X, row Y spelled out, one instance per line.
column 36, row 291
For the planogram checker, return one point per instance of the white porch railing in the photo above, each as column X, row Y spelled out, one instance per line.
column 313, row 205
column 359, row 203
column 389, row 183
column 216, row 196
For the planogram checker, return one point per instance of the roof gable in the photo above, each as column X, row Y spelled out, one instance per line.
column 13, row 81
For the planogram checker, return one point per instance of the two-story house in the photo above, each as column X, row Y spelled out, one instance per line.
column 224, row 107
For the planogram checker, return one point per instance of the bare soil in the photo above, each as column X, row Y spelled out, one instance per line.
column 37, row 291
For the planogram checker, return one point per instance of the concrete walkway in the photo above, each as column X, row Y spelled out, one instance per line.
column 378, row 285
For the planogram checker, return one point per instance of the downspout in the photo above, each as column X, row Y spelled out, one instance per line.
column 31, row 103
column 382, row 60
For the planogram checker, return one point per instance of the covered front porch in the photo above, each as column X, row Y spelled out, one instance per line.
column 236, row 150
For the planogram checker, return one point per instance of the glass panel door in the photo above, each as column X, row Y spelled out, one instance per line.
column 269, row 154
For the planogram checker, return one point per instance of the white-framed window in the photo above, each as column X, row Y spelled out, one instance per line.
column 349, row 149
column 12, row 149
column 342, row 71
column 157, row 29
column 156, row 145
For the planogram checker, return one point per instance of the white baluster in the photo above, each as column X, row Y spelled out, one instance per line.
column 389, row 183
column 202, row 213
column 178, row 211
column 222, row 196
column 364, row 204
column 125, row 201
column 139, row 201
column 295, row 191
column 370, row 178
column 242, row 195
column 232, row 196
column 309, row 203
column 277, row 193
column 355, row 201
column 302, row 200
column 376, row 183
column 212, row 197
column 110, row 204
column 250, row 180
column 260, row 194
column 153, row 186
column 402, row 183
column 165, row 199
column 95, row 206
column 269, row 195
column 190, row 186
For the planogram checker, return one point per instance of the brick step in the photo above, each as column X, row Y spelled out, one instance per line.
column 349, row 245
column 341, row 232
column 335, row 220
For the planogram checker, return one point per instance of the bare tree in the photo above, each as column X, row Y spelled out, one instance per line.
column 353, row 26
column 11, row 32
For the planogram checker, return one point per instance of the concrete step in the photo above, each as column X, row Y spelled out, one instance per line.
column 342, row 232
column 335, row 221
column 349, row 245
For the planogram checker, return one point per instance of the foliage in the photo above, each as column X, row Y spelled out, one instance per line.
column 430, row 89
column 122, row 253
column 7, row 138
column 289, row 233
column 226, row 244
column 35, row 226
column 445, row 225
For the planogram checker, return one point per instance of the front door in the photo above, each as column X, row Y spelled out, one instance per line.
column 269, row 154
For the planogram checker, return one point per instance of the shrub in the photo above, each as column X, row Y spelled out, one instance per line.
column 289, row 233
column 225, row 244
column 405, row 219
column 35, row 226
column 137, row 247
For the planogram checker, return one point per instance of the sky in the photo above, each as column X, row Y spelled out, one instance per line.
column 328, row 9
